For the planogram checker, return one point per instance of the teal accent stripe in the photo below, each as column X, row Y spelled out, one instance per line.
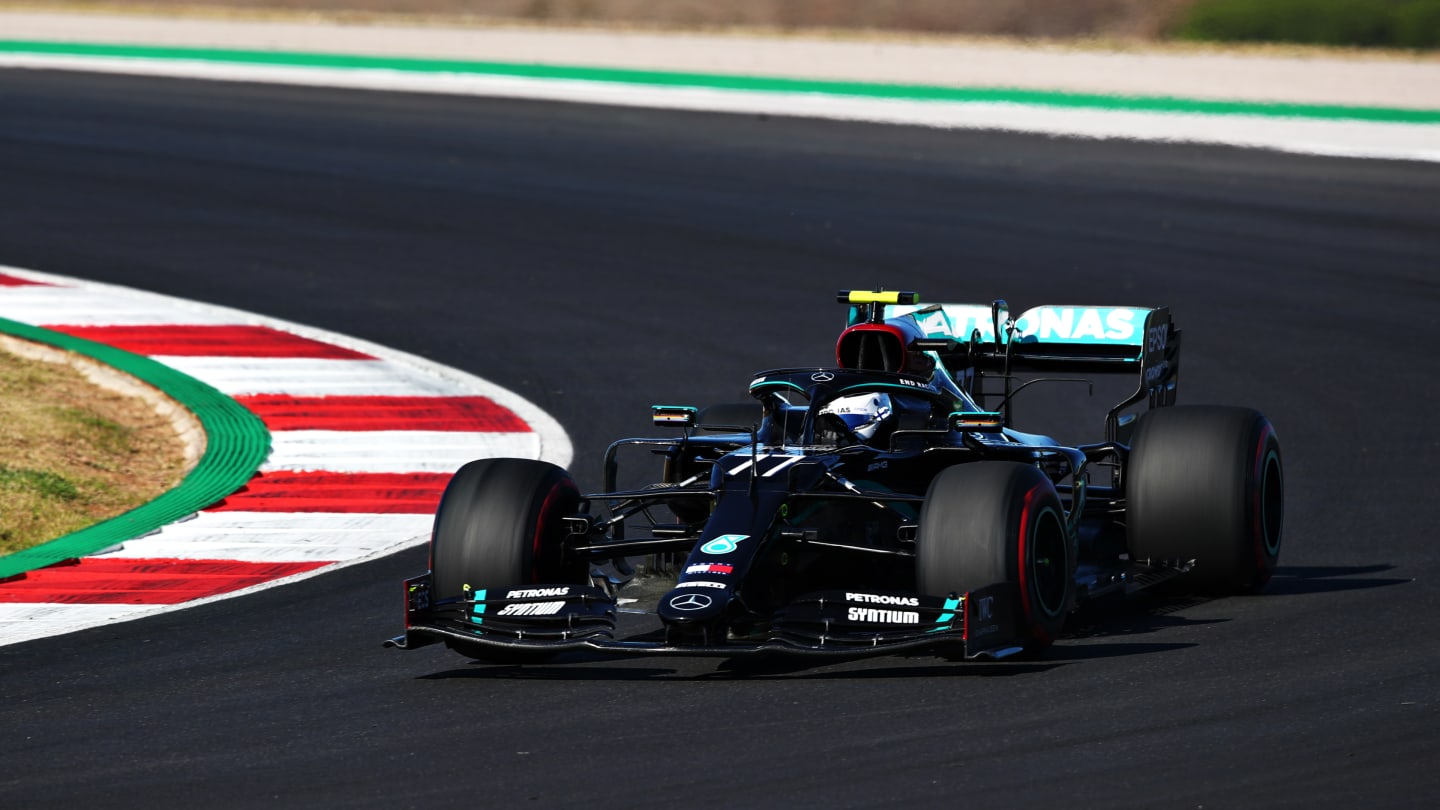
column 478, row 608
column 946, row 620
column 236, row 442
column 761, row 84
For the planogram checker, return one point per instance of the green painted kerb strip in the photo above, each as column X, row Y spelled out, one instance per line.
column 236, row 442
column 905, row 92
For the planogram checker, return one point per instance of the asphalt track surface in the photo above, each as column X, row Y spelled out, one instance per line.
column 599, row 260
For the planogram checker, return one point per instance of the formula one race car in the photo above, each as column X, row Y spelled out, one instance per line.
column 882, row 505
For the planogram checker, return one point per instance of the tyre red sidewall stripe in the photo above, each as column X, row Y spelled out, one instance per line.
column 1023, row 562
column 1257, row 506
column 542, row 526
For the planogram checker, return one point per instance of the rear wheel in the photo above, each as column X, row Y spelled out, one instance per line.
column 999, row 522
column 1205, row 483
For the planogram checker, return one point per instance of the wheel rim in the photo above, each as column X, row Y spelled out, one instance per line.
column 1049, row 567
column 540, row 553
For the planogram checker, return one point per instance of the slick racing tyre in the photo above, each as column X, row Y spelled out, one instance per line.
column 500, row 524
column 1205, row 483
column 995, row 522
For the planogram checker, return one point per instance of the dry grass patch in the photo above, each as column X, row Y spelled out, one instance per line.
column 73, row 454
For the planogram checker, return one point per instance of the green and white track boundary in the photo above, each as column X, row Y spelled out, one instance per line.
column 1331, row 130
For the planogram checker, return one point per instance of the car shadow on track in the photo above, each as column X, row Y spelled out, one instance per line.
column 731, row 670
column 1290, row 580
column 1121, row 617
column 598, row 667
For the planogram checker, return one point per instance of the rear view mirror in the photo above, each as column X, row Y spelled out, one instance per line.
column 977, row 421
column 681, row 416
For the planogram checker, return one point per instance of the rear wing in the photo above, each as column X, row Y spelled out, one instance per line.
column 977, row 339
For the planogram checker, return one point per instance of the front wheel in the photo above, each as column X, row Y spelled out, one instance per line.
column 996, row 522
column 1205, row 483
column 501, row 524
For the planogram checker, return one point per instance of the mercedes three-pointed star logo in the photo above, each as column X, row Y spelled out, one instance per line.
column 822, row 376
column 691, row 601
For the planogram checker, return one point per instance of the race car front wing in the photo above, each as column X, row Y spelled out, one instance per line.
column 558, row 618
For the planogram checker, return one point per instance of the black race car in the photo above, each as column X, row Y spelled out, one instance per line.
column 882, row 505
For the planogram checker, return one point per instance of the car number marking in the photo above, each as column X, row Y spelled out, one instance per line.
column 759, row 462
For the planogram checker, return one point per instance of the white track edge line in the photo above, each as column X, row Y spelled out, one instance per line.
column 1320, row 137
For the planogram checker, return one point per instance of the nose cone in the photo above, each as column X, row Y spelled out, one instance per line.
column 693, row 604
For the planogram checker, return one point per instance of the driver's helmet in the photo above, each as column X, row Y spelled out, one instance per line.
column 857, row 419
